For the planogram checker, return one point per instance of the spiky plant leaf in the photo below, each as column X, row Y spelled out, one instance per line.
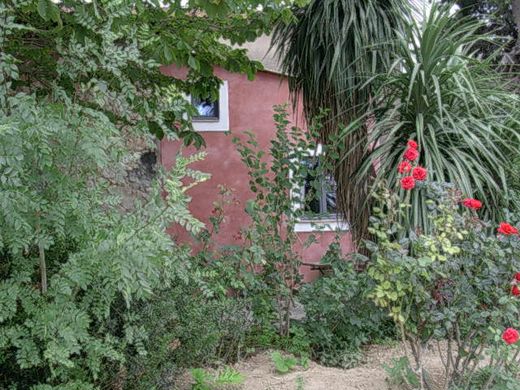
column 330, row 52
column 455, row 105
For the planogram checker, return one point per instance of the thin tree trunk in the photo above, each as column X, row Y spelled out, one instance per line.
column 43, row 269
column 515, row 7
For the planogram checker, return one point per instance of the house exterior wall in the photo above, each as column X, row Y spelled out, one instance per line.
column 250, row 108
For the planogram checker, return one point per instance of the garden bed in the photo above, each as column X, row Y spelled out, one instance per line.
column 260, row 374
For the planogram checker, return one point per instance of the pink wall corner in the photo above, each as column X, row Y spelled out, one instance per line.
column 250, row 108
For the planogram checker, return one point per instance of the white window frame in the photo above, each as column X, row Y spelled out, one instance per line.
column 222, row 124
column 331, row 223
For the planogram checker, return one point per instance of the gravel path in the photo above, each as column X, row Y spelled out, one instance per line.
column 260, row 374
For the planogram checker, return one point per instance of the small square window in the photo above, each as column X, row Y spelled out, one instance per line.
column 211, row 115
column 207, row 110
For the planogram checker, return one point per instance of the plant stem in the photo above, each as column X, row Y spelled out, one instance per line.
column 43, row 268
column 493, row 374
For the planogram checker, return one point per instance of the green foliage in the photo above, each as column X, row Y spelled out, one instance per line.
column 106, row 55
column 454, row 104
column 340, row 318
column 501, row 379
column 452, row 284
column 300, row 383
column 331, row 52
column 270, row 241
column 283, row 364
column 188, row 329
column 400, row 373
column 500, row 20
column 206, row 381
column 73, row 265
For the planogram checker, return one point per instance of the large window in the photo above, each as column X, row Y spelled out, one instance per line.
column 319, row 193
column 317, row 198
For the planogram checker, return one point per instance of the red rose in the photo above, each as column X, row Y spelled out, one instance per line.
column 407, row 183
column 411, row 154
column 419, row 173
column 517, row 276
column 404, row 167
column 471, row 203
column 412, row 144
column 515, row 290
column 510, row 336
column 507, row 229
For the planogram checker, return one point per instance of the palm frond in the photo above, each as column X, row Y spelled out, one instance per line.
column 455, row 105
column 331, row 53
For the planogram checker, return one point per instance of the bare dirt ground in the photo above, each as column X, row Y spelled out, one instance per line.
column 370, row 375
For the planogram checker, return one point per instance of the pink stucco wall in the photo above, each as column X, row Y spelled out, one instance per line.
column 250, row 108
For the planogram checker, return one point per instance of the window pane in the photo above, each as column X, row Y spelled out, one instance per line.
column 330, row 194
column 206, row 109
column 311, row 197
column 319, row 194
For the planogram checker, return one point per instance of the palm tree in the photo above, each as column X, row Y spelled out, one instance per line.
column 330, row 53
column 454, row 104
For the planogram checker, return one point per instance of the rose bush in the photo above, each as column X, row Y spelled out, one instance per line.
column 454, row 287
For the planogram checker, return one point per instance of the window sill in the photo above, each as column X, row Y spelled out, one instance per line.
column 321, row 225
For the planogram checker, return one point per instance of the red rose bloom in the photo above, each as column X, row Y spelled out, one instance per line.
column 407, row 183
column 412, row 144
column 506, row 229
column 404, row 167
column 411, row 154
column 472, row 203
column 517, row 276
column 419, row 173
column 515, row 290
column 510, row 336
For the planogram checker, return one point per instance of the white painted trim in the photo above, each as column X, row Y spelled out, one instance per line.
column 223, row 123
column 321, row 225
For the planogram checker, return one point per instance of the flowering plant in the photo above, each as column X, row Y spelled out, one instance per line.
column 418, row 173
column 455, row 285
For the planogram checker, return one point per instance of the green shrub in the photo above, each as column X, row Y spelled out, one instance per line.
column 74, row 267
column 188, row 330
column 454, row 285
column 270, row 239
column 206, row 381
column 339, row 316
column 283, row 364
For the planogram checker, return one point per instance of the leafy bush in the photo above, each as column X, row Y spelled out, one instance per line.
column 340, row 318
column 73, row 266
column 206, row 381
column 457, row 283
column 400, row 373
column 188, row 330
column 283, row 364
column 270, row 240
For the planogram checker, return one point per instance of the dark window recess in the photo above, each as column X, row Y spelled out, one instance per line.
column 319, row 194
column 207, row 110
